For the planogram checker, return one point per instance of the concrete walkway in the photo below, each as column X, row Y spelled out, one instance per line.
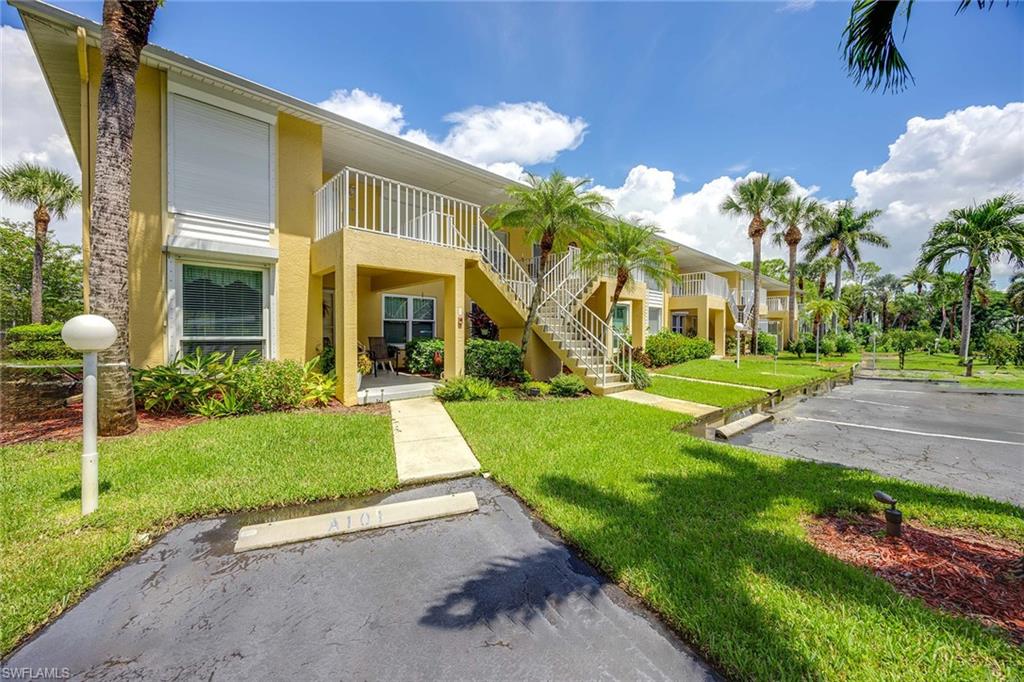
column 428, row 447
column 661, row 402
column 709, row 381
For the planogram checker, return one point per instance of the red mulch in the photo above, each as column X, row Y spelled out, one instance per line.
column 66, row 423
column 962, row 572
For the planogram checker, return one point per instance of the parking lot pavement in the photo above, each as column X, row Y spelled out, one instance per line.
column 916, row 431
column 487, row 596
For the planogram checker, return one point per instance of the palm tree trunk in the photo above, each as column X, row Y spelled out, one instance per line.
column 836, row 283
column 792, row 290
column 42, row 221
column 531, row 315
column 885, row 313
column 621, row 278
column 125, row 33
column 756, row 299
column 965, row 313
column 942, row 327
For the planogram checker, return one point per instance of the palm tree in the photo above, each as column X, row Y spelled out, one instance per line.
column 792, row 215
column 945, row 293
column 980, row 234
column 820, row 309
column 918, row 278
column 628, row 248
column 840, row 232
column 51, row 194
column 872, row 58
column 885, row 288
column 759, row 198
column 1015, row 296
column 125, row 33
column 552, row 212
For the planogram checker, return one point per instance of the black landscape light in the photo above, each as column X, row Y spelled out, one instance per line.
column 893, row 516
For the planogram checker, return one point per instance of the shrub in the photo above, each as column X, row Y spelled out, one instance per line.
column 270, row 385
column 318, row 388
column 420, row 353
column 730, row 345
column 767, row 344
column 37, row 342
column 827, row 346
column 902, row 342
column 465, row 388
column 669, row 348
column 327, row 359
column 639, row 376
column 947, row 346
column 182, row 385
column 542, row 387
column 567, row 385
column 495, row 360
column 1001, row 349
column 641, row 356
column 798, row 346
column 845, row 343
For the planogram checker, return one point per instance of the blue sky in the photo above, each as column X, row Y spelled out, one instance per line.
column 699, row 90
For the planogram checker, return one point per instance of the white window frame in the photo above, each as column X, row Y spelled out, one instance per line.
column 409, row 319
column 176, row 313
column 661, row 318
column 175, row 87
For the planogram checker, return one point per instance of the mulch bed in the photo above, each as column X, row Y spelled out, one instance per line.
column 66, row 423
column 962, row 572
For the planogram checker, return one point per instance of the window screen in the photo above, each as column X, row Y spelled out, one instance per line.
column 222, row 309
column 220, row 163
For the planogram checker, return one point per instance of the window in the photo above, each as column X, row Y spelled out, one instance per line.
column 654, row 319
column 408, row 317
column 220, row 164
column 223, row 309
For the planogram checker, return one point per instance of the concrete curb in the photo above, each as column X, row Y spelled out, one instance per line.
column 727, row 431
column 960, row 388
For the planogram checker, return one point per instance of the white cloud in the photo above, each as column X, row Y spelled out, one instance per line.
column 692, row 218
column 967, row 156
column 738, row 167
column 796, row 6
column 502, row 138
column 30, row 128
column 366, row 107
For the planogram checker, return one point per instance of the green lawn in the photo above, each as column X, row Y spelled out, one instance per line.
column 788, row 372
column 50, row 554
column 946, row 366
column 711, row 537
column 708, row 394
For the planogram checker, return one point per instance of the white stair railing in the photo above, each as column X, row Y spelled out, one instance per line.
column 480, row 238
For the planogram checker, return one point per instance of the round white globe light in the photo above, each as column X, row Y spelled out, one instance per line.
column 738, row 327
column 89, row 333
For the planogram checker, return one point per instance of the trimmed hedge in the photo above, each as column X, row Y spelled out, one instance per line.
column 494, row 360
column 37, row 342
column 668, row 348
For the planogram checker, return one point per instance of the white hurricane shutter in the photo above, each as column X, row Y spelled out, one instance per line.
column 220, row 163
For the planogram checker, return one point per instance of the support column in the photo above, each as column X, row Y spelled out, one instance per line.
column 345, row 330
column 638, row 313
column 702, row 320
column 454, row 326
column 719, row 322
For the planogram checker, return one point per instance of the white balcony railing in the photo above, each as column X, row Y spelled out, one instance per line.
column 745, row 295
column 778, row 304
column 701, row 284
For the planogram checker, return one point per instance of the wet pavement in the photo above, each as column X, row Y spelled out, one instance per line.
column 487, row 596
column 930, row 433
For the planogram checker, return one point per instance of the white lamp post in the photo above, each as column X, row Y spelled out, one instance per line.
column 89, row 334
column 738, row 327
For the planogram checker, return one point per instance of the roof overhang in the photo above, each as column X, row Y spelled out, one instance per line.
column 53, row 34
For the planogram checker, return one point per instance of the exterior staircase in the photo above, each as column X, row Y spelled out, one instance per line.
column 583, row 341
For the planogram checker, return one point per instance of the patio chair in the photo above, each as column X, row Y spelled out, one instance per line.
column 380, row 354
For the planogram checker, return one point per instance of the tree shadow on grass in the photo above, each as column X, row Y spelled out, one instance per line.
column 75, row 491
column 519, row 588
column 720, row 550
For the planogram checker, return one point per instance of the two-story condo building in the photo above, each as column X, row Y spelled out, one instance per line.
column 262, row 222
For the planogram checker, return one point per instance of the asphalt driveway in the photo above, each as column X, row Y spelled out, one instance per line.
column 492, row 595
column 930, row 433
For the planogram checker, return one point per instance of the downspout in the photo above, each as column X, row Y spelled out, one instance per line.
column 85, row 157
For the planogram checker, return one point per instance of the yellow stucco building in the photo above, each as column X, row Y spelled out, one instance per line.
column 261, row 222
